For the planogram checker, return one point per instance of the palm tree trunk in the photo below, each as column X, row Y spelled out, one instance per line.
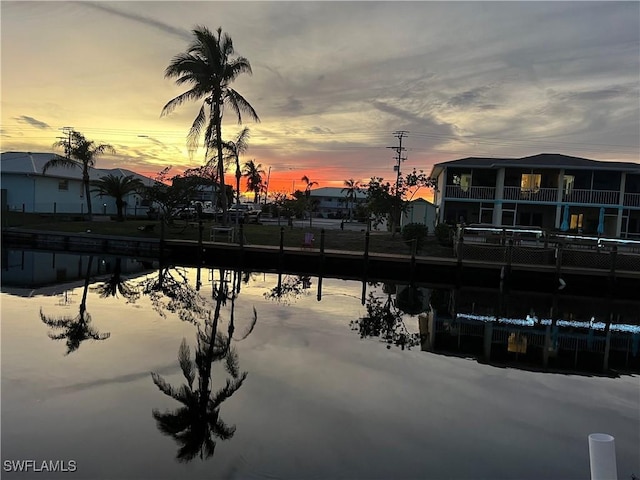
column 119, row 205
column 217, row 118
column 87, row 190
column 83, row 302
column 238, row 176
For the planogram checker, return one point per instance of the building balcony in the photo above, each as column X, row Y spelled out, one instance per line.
column 479, row 193
column 599, row 197
column 632, row 199
column 537, row 195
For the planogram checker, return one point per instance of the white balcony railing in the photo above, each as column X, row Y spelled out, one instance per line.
column 480, row 193
column 632, row 199
column 539, row 195
column 600, row 197
column 597, row 197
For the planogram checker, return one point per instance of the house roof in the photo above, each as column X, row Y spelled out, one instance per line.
column 335, row 192
column 28, row 163
column 542, row 160
column 421, row 200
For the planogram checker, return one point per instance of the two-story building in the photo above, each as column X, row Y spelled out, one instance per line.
column 551, row 191
column 331, row 202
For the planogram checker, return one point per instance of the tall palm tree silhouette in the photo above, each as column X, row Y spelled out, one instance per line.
column 209, row 67
column 351, row 187
column 236, row 148
column 196, row 424
column 253, row 173
column 307, row 193
column 79, row 153
column 78, row 329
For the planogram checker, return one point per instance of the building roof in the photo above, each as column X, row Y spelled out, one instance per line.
column 335, row 192
column 27, row 163
column 542, row 160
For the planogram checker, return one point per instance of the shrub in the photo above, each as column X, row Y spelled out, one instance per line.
column 444, row 235
column 415, row 232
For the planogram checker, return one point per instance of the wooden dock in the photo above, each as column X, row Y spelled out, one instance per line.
column 431, row 272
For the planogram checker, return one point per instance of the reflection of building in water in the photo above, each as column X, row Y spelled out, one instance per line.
column 552, row 331
column 36, row 269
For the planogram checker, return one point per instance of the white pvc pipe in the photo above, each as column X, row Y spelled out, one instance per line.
column 602, row 457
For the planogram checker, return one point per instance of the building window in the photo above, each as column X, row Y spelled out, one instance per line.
column 567, row 184
column 576, row 221
column 63, row 185
column 530, row 182
column 463, row 180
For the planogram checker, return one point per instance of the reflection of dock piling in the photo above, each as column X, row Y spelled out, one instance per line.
column 464, row 269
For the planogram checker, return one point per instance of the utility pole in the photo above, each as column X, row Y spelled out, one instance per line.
column 67, row 149
column 400, row 134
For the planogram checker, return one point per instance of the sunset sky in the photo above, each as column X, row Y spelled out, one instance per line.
column 332, row 81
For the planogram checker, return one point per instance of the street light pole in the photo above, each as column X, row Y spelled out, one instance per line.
column 266, row 190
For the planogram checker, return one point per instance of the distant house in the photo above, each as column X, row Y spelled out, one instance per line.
column 419, row 211
column 551, row 191
column 25, row 188
column 332, row 201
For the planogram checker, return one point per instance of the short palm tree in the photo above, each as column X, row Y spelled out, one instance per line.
column 118, row 188
column 80, row 153
column 209, row 68
column 253, row 173
column 351, row 187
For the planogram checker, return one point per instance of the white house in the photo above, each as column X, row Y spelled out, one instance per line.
column 332, row 201
column 25, row 188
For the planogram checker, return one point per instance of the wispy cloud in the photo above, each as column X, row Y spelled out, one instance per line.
column 32, row 121
column 142, row 19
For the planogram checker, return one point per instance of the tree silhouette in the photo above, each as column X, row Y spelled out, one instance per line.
column 208, row 67
column 196, row 424
column 235, row 149
column 79, row 153
column 253, row 173
column 117, row 187
column 351, row 187
column 116, row 284
column 78, row 329
column 307, row 194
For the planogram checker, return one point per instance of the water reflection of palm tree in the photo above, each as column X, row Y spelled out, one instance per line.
column 289, row 289
column 75, row 330
column 116, row 284
column 196, row 424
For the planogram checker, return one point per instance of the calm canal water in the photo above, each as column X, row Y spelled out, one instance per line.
column 317, row 401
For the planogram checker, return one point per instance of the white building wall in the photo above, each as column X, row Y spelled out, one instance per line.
column 41, row 194
column 420, row 212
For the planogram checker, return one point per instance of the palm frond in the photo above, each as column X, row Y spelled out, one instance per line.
column 162, row 384
column 232, row 365
column 186, row 364
column 196, row 128
column 240, row 105
column 59, row 161
column 254, row 320
column 224, row 431
column 190, row 95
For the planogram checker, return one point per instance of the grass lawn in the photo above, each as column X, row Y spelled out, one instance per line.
column 379, row 242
